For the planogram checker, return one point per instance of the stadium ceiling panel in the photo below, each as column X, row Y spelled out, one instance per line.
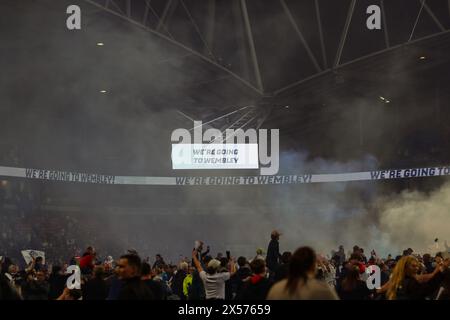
column 258, row 42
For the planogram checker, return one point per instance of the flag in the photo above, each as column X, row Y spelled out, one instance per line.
column 28, row 255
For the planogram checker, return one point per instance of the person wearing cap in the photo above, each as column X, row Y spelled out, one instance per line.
column 213, row 281
column 273, row 252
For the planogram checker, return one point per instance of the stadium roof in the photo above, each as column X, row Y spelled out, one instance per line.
column 305, row 67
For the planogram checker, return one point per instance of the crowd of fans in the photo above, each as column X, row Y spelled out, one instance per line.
column 301, row 275
column 60, row 236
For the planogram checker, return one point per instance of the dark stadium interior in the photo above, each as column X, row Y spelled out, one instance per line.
column 196, row 63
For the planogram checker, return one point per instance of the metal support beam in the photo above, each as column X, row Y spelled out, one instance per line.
column 147, row 10
column 351, row 9
column 191, row 18
column 233, row 126
column 300, row 82
column 171, row 12
column 252, row 46
column 117, row 7
column 185, row 115
column 221, row 117
column 128, row 7
column 164, row 15
column 385, row 27
column 417, row 21
column 240, row 30
column 322, row 42
column 210, row 23
column 263, row 119
column 436, row 20
column 178, row 44
column 241, row 127
column 300, row 35
column 149, row 7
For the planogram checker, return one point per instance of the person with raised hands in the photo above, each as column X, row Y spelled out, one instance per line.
column 213, row 281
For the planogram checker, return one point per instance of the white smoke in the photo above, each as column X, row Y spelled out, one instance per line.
column 414, row 219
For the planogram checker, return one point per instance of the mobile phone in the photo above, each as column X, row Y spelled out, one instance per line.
column 228, row 255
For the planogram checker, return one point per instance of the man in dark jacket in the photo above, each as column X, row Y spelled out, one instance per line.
column 96, row 288
column 282, row 271
column 239, row 278
column 158, row 287
column 115, row 285
column 36, row 288
column 258, row 286
column 129, row 271
column 273, row 251
column 57, row 283
column 178, row 279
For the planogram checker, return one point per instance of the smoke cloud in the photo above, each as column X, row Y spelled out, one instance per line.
column 414, row 219
column 71, row 126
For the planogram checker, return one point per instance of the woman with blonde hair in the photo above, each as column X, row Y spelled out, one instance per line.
column 406, row 284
